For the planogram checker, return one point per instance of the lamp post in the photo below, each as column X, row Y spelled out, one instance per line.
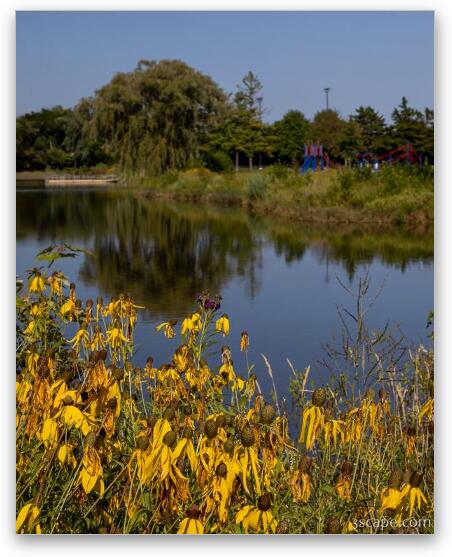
column 327, row 90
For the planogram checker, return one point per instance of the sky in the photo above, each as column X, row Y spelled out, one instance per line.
column 366, row 58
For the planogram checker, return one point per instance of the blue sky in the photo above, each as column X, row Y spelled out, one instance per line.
column 367, row 58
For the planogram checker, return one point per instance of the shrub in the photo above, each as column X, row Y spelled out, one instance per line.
column 278, row 172
column 218, row 161
column 257, row 186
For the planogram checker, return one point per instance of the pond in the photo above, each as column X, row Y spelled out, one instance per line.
column 280, row 281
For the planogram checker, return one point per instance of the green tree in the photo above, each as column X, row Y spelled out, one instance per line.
column 248, row 130
column 40, row 139
column 157, row 117
column 328, row 127
column 86, row 150
column 373, row 130
column 289, row 136
column 414, row 127
column 350, row 142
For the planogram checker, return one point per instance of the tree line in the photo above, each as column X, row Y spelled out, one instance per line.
column 168, row 116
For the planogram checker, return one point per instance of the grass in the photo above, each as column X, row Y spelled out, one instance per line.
column 106, row 446
column 396, row 195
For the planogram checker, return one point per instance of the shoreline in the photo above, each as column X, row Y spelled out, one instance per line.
column 322, row 216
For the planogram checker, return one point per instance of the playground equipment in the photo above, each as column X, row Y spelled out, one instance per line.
column 404, row 153
column 314, row 158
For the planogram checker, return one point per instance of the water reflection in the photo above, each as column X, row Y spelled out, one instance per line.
column 165, row 254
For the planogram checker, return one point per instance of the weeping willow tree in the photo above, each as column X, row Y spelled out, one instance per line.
column 157, row 117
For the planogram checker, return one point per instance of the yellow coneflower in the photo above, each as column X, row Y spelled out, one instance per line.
column 333, row 431
column 427, row 410
column 91, row 474
column 414, row 492
column 222, row 324
column 56, row 284
column 391, row 496
column 27, row 519
column 257, row 518
column 313, row 419
column 343, row 481
column 244, row 341
column 191, row 524
column 191, row 324
column 167, row 327
column 81, row 338
column 410, row 437
column 300, row 482
column 249, row 460
column 116, row 338
column 36, row 283
column 68, row 309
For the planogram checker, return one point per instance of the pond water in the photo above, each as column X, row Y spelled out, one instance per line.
column 279, row 280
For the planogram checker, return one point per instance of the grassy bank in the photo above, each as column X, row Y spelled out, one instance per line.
column 396, row 196
column 105, row 446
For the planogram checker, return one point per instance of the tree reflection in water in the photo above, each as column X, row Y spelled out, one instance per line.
column 164, row 254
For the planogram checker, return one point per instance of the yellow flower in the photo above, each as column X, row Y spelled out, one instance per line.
column 190, row 526
column 167, row 327
column 36, row 284
column 427, row 410
column 312, row 425
column 81, row 337
column 56, row 284
column 222, row 324
column 343, row 487
column 27, row 520
column 30, row 328
column 300, row 481
column 115, row 337
column 244, row 341
column 68, row 308
column 390, row 498
column 257, row 519
column 191, row 324
column 91, row 474
column 414, row 492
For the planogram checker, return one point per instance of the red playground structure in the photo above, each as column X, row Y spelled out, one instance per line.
column 404, row 153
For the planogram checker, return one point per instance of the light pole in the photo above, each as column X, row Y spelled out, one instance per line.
column 327, row 90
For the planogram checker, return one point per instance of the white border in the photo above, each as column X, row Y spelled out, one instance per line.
column 222, row 545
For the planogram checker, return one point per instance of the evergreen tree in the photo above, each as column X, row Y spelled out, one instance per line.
column 373, row 130
column 411, row 126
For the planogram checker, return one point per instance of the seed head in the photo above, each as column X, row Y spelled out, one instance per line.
column 247, row 437
column 169, row 413
column 319, row 397
column 211, row 429
column 264, row 502
column 229, row 446
column 143, row 442
column 347, row 468
column 90, row 439
column 221, row 470
column 333, row 526
column 169, row 438
column 268, row 414
column 118, row 373
column 194, row 512
column 416, row 479
column 305, row 464
column 221, row 420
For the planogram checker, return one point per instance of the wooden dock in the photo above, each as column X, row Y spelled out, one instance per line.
column 80, row 180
